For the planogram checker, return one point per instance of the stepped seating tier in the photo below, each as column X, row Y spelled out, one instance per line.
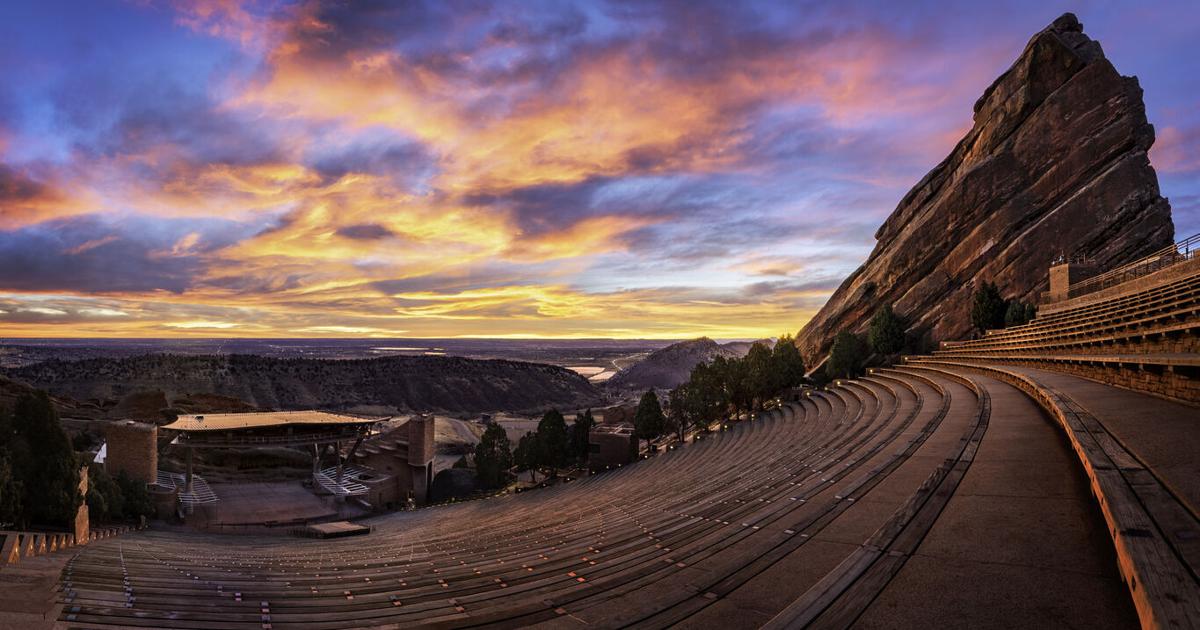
column 813, row 510
column 1147, row 339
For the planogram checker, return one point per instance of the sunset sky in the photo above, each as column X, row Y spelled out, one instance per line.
column 585, row 169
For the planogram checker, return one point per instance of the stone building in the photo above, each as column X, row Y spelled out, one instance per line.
column 610, row 446
column 132, row 447
column 400, row 463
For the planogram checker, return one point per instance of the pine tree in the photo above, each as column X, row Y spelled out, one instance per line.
column 988, row 308
column 554, row 442
column 846, row 356
column 43, row 461
column 493, row 457
column 579, row 434
column 886, row 333
column 787, row 364
column 678, row 412
column 649, row 421
column 526, row 455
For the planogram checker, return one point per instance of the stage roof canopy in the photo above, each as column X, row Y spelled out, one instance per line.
column 264, row 419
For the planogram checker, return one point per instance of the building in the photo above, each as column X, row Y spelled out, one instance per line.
column 132, row 448
column 400, row 463
column 610, row 446
column 317, row 431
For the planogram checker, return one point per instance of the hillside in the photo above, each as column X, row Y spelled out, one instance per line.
column 1055, row 164
column 670, row 366
column 446, row 384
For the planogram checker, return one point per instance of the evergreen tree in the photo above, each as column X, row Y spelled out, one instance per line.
column 1030, row 312
column 138, row 502
column 759, row 374
column 649, row 421
column 1014, row 315
column 11, row 492
column 554, row 442
column 886, row 333
column 105, row 500
column 677, row 411
column 988, row 308
column 846, row 356
column 787, row 364
column 704, row 397
column 493, row 457
column 42, row 459
column 579, row 434
column 526, row 455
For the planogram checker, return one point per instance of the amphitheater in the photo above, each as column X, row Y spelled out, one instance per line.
column 1043, row 475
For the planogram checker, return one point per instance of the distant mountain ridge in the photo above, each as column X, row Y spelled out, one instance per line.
column 672, row 365
column 402, row 383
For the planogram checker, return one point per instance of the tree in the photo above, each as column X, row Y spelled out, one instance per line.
column 678, row 412
column 137, row 497
column 1030, row 312
column 649, row 422
column 554, row 443
column 11, row 492
column 787, row 364
column 1014, row 315
column 41, row 458
column 886, row 333
column 759, row 375
column 493, row 457
column 708, row 392
column 579, row 434
column 846, row 356
column 526, row 455
column 105, row 500
column 987, row 309
column 734, row 379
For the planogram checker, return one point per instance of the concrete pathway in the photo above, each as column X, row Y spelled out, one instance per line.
column 1021, row 539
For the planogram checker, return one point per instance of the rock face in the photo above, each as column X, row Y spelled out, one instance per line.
column 672, row 365
column 1055, row 164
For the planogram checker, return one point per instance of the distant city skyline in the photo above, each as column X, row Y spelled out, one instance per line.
column 443, row 169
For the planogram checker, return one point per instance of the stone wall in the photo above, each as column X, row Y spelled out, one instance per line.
column 82, row 525
column 1178, row 383
column 1150, row 281
column 421, row 440
column 132, row 448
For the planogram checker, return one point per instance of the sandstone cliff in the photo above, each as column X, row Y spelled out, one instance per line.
column 1055, row 164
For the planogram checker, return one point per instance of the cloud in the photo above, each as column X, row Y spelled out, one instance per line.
column 88, row 254
column 1177, row 150
column 428, row 168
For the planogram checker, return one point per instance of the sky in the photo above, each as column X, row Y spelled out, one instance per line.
column 211, row 168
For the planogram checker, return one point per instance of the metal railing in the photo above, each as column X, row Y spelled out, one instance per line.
column 1168, row 256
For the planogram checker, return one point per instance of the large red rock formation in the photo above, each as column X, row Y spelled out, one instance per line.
column 1055, row 164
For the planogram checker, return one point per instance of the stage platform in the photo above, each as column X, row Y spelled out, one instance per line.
column 267, row 503
column 339, row 529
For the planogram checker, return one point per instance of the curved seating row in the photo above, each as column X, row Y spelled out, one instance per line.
column 696, row 536
column 577, row 546
column 1156, row 533
column 1146, row 339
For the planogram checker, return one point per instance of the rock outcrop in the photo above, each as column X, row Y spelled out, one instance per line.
column 1055, row 164
column 672, row 365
